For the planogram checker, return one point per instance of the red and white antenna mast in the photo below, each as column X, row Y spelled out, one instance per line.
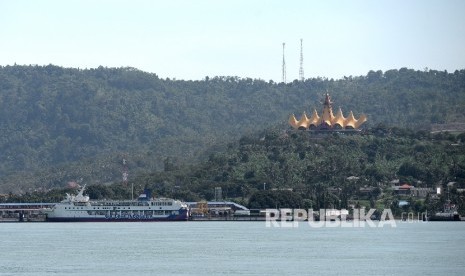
column 284, row 65
column 301, row 69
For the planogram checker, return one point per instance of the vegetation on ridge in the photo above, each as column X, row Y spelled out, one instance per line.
column 61, row 124
column 298, row 169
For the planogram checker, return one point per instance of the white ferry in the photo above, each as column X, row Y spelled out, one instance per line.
column 79, row 208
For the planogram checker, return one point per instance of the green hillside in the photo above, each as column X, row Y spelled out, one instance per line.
column 298, row 169
column 323, row 171
column 62, row 124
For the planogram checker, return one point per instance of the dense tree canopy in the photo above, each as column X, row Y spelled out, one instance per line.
column 300, row 169
column 62, row 124
column 307, row 170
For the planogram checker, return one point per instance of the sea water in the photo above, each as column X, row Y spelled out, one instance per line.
column 230, row 248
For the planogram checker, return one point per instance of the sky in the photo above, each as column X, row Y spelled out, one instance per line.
column 189, row 40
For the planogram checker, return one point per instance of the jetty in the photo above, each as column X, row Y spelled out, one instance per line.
column 23, row 212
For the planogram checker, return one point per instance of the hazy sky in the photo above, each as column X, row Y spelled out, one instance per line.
column 198, row 38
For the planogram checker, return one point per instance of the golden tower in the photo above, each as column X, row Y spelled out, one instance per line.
column 327, row 121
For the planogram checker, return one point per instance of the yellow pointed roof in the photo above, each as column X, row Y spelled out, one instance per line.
column 327, row 118
column 339, row 119
column 293, row 121
column 315, row 119
column 304, row 122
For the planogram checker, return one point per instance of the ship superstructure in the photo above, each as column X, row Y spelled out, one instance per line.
column 81, row 208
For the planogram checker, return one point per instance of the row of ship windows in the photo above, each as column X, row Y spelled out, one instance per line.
column 98, row 208
column 169, row 203
column 142, row 213
column 108, row 208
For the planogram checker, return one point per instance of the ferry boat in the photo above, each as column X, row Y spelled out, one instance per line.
column 78, row 208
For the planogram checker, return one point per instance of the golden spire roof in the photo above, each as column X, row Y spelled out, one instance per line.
column 327, row 121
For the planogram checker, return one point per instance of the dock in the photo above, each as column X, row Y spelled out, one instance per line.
column 23, row 212
column 227, row 218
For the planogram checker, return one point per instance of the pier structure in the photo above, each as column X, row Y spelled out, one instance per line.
column 215, row 208
column 14, row 212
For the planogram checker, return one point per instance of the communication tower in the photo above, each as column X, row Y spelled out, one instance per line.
column 301, row 69
column 284, row 65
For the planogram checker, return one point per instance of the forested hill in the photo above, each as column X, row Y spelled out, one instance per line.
column 322, row 170
column 60, row 124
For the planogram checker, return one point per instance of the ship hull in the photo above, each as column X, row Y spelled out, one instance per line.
column 182, row 216
column 64, row 219
column 79, row 208
column 454, row 217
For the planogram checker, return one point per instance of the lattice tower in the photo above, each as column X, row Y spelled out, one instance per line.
column 284, row 65
column 301, row 68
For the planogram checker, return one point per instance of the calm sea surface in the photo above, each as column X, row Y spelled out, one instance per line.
column 230, row 248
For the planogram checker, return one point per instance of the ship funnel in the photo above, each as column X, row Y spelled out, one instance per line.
column 147, row 195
